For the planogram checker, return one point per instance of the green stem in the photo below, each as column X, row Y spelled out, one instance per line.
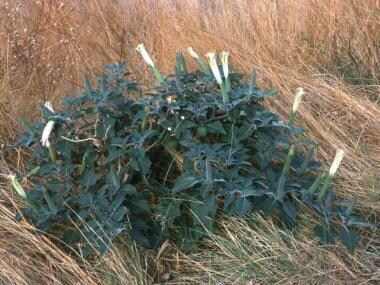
column 144, row 120
column 203, row 65
column 53, row 154
column 325, row 187
column 31, row 204
column 226, row 97
column 285, row 171
column 158, row 75
column 228, row 84
column 315, row 185
column 289, row 160
column 291, row 120
column 49, row 201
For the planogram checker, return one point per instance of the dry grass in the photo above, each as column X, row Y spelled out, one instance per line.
column 27, row 258
column 331, row 48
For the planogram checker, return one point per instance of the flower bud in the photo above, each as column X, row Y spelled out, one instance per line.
column 211, row 56
column 141, row 49
column 193, row 53
column 48, row 128
column 337, row 160
column 297, row 100
column 224, row 59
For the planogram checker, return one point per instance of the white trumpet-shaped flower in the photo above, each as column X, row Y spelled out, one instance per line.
column 46, row 133
column 141, row 49
column 48, row 128
column 211, row 56
column 193, row 53
column 224, row 59
column 297, row 100
column 337, row 160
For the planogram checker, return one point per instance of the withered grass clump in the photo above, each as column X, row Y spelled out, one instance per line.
column 331, row 48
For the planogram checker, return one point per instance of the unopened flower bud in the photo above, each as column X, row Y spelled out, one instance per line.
column 297, row 100
column 141, row 49
column 48, row 128
column 224, row 59
column 211, row 56
column 193, row 53
column 337, row 160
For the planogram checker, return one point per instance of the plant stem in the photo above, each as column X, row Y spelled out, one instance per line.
column 325, row 187
column 53, row 154
column 158, row 75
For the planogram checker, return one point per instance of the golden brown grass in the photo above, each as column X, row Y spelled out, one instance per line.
column 331, row 48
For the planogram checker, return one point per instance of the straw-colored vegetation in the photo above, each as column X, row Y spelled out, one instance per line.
column 330, row 48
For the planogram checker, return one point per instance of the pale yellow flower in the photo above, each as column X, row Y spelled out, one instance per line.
column 337, row 160
column 193, row 53
column 224, row 59
column 141, row 49
column 297, row 100
column 211, row 56
column 48, row 128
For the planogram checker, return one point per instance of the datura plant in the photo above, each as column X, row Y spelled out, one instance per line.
column 165, row 161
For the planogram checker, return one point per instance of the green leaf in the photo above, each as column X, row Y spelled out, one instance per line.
column 114, row 154
column 290, row 210
column 64, row 147
column 139, row 116
column 186, row 181
column 140, row 238
column 71, row 236
column 349, row 239
column 243, row 205
column 117, row 202
column 168, row 210
column 270, row 92
column 85, row 200
column 102, row 202
column 139, row 206
column 114, row 177
column 89, row 178
column 268, row 206
column 119, row 213
column 87, row 85
column 216, row 127
column 324, row 234
column 129, row 190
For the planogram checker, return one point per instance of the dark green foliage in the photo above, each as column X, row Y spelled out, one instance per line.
column 165, row 164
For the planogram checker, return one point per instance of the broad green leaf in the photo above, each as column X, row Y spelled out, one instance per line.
column 89, row 178
column 119, row 213
column 114, row 154
column 290, row 210
column 324, row 234
column 349, row 239
column 71, row 236
column 86, row 200
column 243, row 205
column 185, row 181
column 216, row 127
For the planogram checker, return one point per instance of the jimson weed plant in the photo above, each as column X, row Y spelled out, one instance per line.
column 164, row 161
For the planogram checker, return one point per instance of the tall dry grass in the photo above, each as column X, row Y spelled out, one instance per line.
column 329, row 47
